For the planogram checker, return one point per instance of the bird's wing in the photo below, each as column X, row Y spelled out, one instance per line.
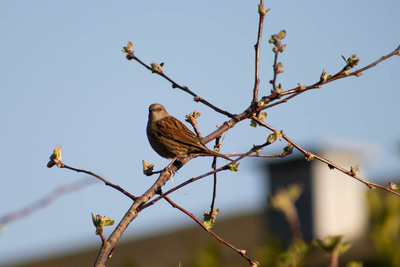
column 171, row 128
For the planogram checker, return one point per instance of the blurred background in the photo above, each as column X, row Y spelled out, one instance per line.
column 66, row 82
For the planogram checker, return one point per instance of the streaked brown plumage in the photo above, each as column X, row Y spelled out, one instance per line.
column 170, row 138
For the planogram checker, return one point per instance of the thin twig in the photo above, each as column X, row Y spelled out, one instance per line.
column 183, row 88
column 102, row 179
column 280, row 155
column 214, row 166
column 240, row 251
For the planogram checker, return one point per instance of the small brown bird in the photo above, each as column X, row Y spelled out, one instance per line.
column 170, row 138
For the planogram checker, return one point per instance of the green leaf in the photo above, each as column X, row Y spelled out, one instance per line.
column 233, row 166
column 288, row 149
column 284, row 198
column 273, row 137
column 100, row 221
column 55, row 158
column 209, row 218
column 282, row 34
column 353, row 61
column 333, row 244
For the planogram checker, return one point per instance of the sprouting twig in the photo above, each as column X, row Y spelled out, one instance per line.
column 240, row 251
column 183, row 88
column 329, row 163
column 340, row 75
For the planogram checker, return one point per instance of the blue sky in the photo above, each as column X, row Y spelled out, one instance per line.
column 66, row 82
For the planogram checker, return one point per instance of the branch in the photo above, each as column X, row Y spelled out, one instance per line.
column 240, row 251
column 197, row 98
column 101, row 179
column 330, row 164
column 301, row 89
column 191, row 180
column 133, row 212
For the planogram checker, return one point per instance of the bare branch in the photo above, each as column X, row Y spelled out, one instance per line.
column 101, row 179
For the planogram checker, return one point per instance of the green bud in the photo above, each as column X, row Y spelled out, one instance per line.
column 288, row 149
column 262, row 11
column 192, row 116
column 353, row 61
column 279, row 68
column 273, row 137
column 309, row 157
column 354, row 170
column 128, row 49
column 324, row 76
column 282, row 48
column 278, row 89
column 55, row 158
column 147, row 168
column 393, row 186
column 209, row 218
column 156, row 67
column 100, row 221
column 271, row 40
column 302, row 87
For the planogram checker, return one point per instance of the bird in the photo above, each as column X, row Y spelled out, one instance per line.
column 170, row 138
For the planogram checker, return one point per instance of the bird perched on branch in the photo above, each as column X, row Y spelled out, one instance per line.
column 170, row 138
